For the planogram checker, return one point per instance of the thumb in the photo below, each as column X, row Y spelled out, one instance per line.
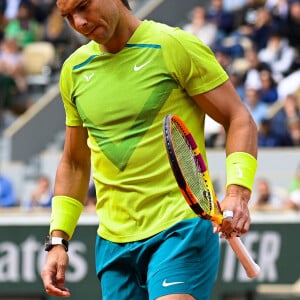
column 60, row 276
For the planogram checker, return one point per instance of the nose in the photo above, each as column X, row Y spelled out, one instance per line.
column 80, row 23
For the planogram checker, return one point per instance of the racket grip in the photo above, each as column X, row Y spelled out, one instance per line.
column 251, row 268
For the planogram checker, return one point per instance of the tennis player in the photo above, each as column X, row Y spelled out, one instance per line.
column 116, row 90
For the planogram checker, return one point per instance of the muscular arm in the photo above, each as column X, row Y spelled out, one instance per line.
column 73, row 173
column 72, row 178
column 224, row 106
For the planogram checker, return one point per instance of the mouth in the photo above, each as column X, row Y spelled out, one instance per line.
column 90, row 32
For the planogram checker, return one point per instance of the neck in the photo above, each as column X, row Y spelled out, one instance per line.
column 126, row 28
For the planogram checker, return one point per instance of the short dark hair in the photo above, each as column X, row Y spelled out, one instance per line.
column 125, row 2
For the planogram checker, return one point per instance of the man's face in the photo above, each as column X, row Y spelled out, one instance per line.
column 295, row 11
column 95, row 19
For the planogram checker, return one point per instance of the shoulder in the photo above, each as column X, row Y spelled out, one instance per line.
column 168, row 35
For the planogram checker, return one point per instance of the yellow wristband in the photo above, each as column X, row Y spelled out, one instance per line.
column 65, row 214
column 241, row 168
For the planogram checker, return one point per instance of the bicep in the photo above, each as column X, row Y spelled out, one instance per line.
column 76, row 149
column 223, row 104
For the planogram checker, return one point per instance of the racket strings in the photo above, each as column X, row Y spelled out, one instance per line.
column 191, row 170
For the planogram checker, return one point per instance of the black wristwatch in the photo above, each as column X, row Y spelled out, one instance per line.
column 52, row 241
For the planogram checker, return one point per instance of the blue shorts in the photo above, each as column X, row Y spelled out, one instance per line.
column 180, row 260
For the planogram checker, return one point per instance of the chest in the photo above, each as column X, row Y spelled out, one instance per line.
column 121, row 87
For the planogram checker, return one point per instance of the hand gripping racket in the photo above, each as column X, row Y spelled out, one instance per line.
column 193, row 179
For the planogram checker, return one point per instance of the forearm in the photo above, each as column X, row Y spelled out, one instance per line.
column 70, row 191
column 242, row 136
column 241, row 152
column 72, row 179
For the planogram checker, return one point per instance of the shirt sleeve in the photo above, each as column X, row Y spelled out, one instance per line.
column 192, row 63
column 69, row 102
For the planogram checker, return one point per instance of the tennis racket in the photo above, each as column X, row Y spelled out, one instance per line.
column 193, row 179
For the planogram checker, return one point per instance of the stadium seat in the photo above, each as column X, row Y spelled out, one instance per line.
column 39, row 58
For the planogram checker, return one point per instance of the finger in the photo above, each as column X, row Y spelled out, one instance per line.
column 243, row 228
column 53, row 289
column 228, row 214
column 227, row 224
column 242, row 224
column 54, row 280
column 60, row 276
column 58, row 292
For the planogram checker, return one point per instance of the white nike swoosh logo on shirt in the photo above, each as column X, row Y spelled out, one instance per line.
column 166, row 284
column 137, row 68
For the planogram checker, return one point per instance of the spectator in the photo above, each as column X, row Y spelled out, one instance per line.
column 267, row 137
column 264, row 197
column 237, row 81
column 222, row 19
column 292, row 24
column 57, row 32
column 289, row 85
column 292, row 31
column 41, row 9
column 294, row 129
column 295, row 182
column 258, row 109
column 41, row 194
column 283, row 121
column 199, row 26
column 11, row 63
column 11, row 9
column 224, row 58
column 12, row 82
column 278, row 54
column 293, row 201
column 7, row 193
column 247, row 14
column 25, row 29
column 279, row 10
column 262, row 28
column 268, row 90
column 233, row 5
column 255, row 66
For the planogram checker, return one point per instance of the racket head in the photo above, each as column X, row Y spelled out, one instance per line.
column 190, row 170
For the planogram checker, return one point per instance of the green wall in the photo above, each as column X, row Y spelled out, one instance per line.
column 273, row 245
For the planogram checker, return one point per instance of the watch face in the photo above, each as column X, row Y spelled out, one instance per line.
column 50, row 242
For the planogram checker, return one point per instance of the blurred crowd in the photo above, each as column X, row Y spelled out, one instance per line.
column 258, row 44
column 38, row 196
column 24, row 23
column 256, row 41
column 267, row 197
